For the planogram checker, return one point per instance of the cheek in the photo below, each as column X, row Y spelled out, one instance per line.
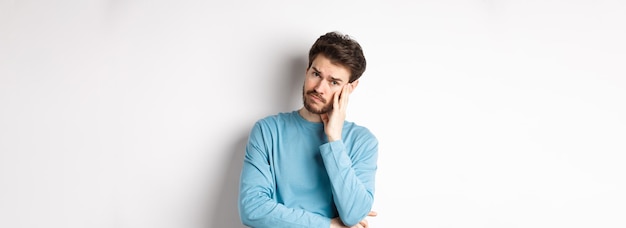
column 310, row 82
column 330, row 95
column 307, row 85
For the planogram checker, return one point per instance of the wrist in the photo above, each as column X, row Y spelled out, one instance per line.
column 333, row 136
column 332, row 139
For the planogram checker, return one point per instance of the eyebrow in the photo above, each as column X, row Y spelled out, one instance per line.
column 331, row 77
column 336, row 79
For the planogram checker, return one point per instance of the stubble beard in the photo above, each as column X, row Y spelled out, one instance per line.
column 308, row 103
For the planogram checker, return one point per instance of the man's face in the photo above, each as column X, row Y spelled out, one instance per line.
column 322, row 80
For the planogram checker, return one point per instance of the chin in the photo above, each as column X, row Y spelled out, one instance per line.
column 316, row 109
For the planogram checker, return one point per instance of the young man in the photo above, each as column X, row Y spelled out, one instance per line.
column 311, row 167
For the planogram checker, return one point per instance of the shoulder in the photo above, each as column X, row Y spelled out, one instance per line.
column 360, row 141
column 352, row 126
column 274, row 118
column 359, row 131
column 274, row 121
column 267, row 128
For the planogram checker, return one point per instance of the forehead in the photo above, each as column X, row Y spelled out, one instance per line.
column 325, row 66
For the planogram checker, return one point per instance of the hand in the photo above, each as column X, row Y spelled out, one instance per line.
column 336, row 222
column 333, row 120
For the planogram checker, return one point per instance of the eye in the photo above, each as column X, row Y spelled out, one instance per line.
column 316, row 74
column 334, row 83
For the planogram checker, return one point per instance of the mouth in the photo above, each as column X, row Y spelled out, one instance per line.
column 316, row 98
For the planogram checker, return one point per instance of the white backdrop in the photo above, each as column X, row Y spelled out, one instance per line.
column 489, row 113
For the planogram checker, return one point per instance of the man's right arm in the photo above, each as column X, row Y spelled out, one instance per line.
column 257, row 207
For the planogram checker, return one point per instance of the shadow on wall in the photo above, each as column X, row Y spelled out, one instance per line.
column 225, row 212
column 297, row 71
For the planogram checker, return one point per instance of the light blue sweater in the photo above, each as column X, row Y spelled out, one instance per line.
column 292, row 176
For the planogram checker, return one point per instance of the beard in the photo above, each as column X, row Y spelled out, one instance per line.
column 308, row 103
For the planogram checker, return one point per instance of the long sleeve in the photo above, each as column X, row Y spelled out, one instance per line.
column 352, row 176
column 257, row 204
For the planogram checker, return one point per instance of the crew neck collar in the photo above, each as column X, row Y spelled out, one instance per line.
column 305, row 121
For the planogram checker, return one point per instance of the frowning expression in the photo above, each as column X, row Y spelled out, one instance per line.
column 322, row 80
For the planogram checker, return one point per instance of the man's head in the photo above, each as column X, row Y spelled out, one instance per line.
column 334, row 61
column 341, row 50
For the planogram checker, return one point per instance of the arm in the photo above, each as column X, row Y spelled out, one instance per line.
column 257, row 207
column 352, row 178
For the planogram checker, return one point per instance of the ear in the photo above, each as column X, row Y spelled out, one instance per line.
column 354, row 84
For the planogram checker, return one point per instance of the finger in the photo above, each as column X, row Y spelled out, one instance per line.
column 372, row 214
column 345, row 94
column 324, row 117
column 364, row 223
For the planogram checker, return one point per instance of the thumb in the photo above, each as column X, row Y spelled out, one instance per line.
column 324, row 117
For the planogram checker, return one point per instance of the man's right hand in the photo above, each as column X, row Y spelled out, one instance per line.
column 336, row 222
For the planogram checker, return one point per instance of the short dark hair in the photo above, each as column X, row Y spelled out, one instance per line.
column 340, row 49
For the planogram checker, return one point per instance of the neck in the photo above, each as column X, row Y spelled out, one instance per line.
column 309, row 116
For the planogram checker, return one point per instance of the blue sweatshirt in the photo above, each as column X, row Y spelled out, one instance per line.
column 293, row 177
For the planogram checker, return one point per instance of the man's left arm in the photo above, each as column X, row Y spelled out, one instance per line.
column 352, row 176
column 351, row 172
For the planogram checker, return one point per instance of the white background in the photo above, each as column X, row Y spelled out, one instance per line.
column 489, row 113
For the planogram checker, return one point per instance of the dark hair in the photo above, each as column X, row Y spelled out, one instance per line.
column 340, row 49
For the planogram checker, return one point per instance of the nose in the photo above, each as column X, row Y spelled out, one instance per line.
column 320, row 87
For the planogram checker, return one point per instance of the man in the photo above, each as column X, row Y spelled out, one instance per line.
column 311, row 167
